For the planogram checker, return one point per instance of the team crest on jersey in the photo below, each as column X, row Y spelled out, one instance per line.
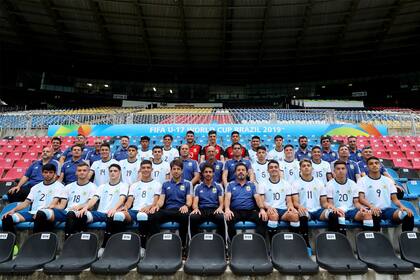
column 116, row 191
column 182, row 188
column 384, row 187
column 370, row 187
column 337, row 192
column 36, row 167
column 190, row 164
column 217, row 167
column 349, row 191
column 201, row 191
column 281, row 190
column 168, row 188
column 315, row 188
column 359, row 154
column 248, row 188
column 84, row 193
column 351, row 166
column 234, row 189
column 309, row 154
column 214, row 190
column 302, row 189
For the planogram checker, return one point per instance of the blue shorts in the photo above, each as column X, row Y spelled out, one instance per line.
column 316, row 215
column 26, row 215
column 59, row 215
column 98, row 216
column 351, row 213
column 387, row 213
column 281, row 212
column 133, row 215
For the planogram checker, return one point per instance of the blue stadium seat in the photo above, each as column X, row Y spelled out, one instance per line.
column 169, row 226
column 410, row 206
column 395, row 175
column 413, row 187
column 245, row 225
column 97, row 225
column 208, row 226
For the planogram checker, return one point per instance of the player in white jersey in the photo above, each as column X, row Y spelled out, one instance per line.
column 161, row 169
column 310, row 198
column 260, row 167
column 320, row 169
column 278, row 152
column 169, row 153
column 255, row 143
column 130, row 166
column 278, row 199
column 144, row 152
column 42, row 196
column 343, row 196
column 111, row 197
column 142, row 196
column 289, row 165
column 379, row 194
column 100, row 168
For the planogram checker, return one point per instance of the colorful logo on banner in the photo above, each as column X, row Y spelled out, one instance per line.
column 221, row 129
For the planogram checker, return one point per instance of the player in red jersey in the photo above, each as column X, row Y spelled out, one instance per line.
column 234, row 137
column 195, row 149
column 212, row 137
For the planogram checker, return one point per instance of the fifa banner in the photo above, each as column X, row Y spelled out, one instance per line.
column 263, row 130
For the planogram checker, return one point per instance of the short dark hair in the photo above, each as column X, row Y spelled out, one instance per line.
column 278, row 137
column 325, row 137
column 302, row 137
column 256, row 137
column 261, row 148
column 305, row 160
column 125, row 136
column 157, row 148
column 190, row 132
column 147, row 138
column 241, row 164
column 106, row 145
column 372, row 158
column 206, row 165
column 351, row 136
column 367, row 148
column 177, row 162
column 56, row 139
column 211, row 132
column 76, row 145
column 273, row 161
column 146, row 161
column 49, row 167
column 289, row 146
column 316, row 147
column 168, row 135
column 341, row 146
column 133, row 147
column 234, row 132
column 115, row 165
column 338, row 162
column 236, row 144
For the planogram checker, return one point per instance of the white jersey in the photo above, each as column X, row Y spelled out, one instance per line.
column 320, row 170
column 291, row 170
column 42, row 195
column 309, row 192
column 78, row 194
column 273, row 154
column 342, row 194
column 142, row 155
column 170, row 155
column 261, row 171
column 109, row 195
column 129, row 171
column 143, row 193
column 252, row 155
column 275, row 193
column 101, row 171
column 160, row 170
column 377, row 192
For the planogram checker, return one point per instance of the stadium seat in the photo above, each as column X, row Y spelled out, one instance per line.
column 8, row 148
column 245, row 225
column 37, row 250
column 163, row 255
column 290, row 256
column 6, row 163
column 13, row 174
column 413, row 187
column 2, row 154
column 416, row 163
column 206, row 255
column 335, row 254
column 30, row 156
column 412, row 154
column 23, row 163
column 377, row 252
column 7, row 242
column 409, row 174
column 122, row 253
column 249, row 255
column 402, row 163
column 395, row 176
column 410, row 247
column 79, row 252
column 411, row 206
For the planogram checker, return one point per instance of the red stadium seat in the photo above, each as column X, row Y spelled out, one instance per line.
column 14, row 142
column 416, row 163
column 13, row 174
column 381, row 154
column 378, row 147
column 15, row 155
column 36, row 148
column 392, row 147
column 402, row 163
column 406, row 147
column 22, row 148
column 4, row 142
column 396, row 154
column 31, row 156
column 8, row 148
column 6, row 163
column 417, row 147
column 23, row 163
column 3, row 154
column 412, row 154
column 1, row 171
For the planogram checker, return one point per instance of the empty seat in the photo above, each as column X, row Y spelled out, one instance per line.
column 79, row 252
column 37, row 250
column 121, row 254
column 7, row 241
column 206, row 255
column 290, row 256
column 334, row 253
column 410, row 247
column 375, row 249
column 13, row 174
column 163, row 255
column 249, row 255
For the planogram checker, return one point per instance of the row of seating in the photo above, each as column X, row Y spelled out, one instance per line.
column 207, row 256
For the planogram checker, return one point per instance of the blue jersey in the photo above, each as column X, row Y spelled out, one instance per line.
column 329, row 156
column 356, row 156
column 208, row 196
column 121, row 154
column 242, row 196
column 217, row 169
column 364, row 168
column 69, row 170
column 85, row 150
column 230, row 166
column 57, row 155
column 190, row 167
column 176, row 193
column 300, row 154
column 93, row 156
column 34, row 172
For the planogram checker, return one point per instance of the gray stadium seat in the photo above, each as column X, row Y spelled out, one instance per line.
column 122, row 253
column 7, row 241
column 37, row 250
column 206, row 255
column 163, row 255
column 249, row 255
column 410, row 247
column 334, row 253
column 375, row 249
column 290, row 255
column 79, row 252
